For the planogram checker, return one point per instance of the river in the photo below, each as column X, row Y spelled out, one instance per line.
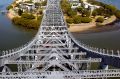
column 106, row 39
column 11, row 36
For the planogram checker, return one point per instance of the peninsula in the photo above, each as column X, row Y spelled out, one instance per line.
column 27, row 13
column 85, row 14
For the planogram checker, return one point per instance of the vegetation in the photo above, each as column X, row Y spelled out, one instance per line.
column 29, row 1
column 37, row 5
column 65, row 5
column 20, row 12
column 72, row 13
column 77, row 19
column 80, row 9
column 105, row 9
column 100, row 19
column 9, row 7
column 117, row 14
column 28, row 21
column 86, row 13
column 95, row 13
column 94, row 2
column 86, row 19
column 44, row 3
column 70, row 20
column 28, row 16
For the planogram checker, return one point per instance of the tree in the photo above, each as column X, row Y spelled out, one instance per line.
column 94, row 2
column 28, row 16
column 94, row 13
column 100, row 19
column 100, row 11
column 110, row 9
column 80, row 9
column 65, row 5
column 37, row 5
column 70, row 20
column 27, row 23
column 30, row 1
column 86, row 19
column 86, row 13
column 44, row 3
column 40, row 12
column 77, row 19
column 72, row 13
column 9, row 7
column 117, row 14
column 20, row 12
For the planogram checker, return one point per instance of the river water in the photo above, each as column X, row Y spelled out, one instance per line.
column 106, row 39
column 12, row 36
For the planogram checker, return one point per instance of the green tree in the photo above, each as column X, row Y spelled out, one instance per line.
column 37, row 5
column 80, row 9
column 94, row 13
column 86, row 19
column 20, row 12
column 100, row 11
column 86, row 13
column 100, row 19
column 94, row 2
column 72, row 13
column 44, row 3
column 29, row 1
column 77, row 19
column 110, row 9
column 40, row 12
column 28, row 16
column 65, row 5
column 9, row 7
column 70, row 20
column 27, row 23
column 117, row 14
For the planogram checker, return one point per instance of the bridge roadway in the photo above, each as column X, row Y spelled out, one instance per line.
column 54, row 39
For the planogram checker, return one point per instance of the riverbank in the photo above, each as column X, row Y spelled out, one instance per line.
column 11, row 14
column 86, row 26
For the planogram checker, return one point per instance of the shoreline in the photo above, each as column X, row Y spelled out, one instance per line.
column 89, row 26
column 11, row 14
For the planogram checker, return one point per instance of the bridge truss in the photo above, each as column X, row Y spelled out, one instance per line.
column 52, row 54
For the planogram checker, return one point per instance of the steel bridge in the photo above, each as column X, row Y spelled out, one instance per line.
column 55, row 54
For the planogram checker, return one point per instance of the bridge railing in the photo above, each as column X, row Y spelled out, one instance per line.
column 66, row 74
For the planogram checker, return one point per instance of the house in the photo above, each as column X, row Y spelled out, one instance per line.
column 27, row 6
column 37, row 1
column 18, row 1
column 90, row 6
column 74, row 3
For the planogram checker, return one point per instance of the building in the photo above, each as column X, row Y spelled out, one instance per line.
column 90, row 6
column 27, row 6
column 18, row 1
column 37, row 1
column 74, row 3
